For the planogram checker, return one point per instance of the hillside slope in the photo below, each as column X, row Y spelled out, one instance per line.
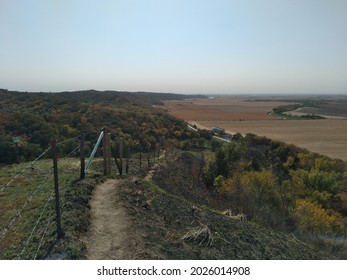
column 169, row 222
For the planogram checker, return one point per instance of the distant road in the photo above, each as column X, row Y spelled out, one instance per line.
column 200, row 126
column 192, row 128
column 222, row 139
column 216, row 137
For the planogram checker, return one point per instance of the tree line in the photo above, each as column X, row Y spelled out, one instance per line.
column 279, row 185
column 38, row 118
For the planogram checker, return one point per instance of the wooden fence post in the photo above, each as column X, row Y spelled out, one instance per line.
column 121, row 156
column 104, row 150
column 56, row 190
column 108, row 141
column 82, row 158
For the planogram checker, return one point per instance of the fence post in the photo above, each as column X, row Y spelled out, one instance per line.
column 104, row 150
column 108, row 153
column 121, row 156
column 82, row 158
column 56, row 189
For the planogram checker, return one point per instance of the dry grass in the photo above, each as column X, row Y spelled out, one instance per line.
column 201, row 235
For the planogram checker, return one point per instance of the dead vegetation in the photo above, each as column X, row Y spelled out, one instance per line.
column 200, row 235
column 168, row 221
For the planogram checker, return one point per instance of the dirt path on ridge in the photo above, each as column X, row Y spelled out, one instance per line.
column 106, row 239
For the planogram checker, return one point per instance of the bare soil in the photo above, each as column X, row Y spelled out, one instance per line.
column 109, row 228
column 208, row 111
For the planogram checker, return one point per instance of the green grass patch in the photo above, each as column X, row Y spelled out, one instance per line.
column 27, row 205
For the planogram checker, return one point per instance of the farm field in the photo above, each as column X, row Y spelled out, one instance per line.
column 221, row 109
column 330, row 111
column 327, row 136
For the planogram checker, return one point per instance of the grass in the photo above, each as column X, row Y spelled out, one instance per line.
column 27, row 206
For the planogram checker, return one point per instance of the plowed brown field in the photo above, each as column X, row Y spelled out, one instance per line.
column 327, row 137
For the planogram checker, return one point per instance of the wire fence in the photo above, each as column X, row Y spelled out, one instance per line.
column 33, row 203
column 25, row 169
column 31, row 221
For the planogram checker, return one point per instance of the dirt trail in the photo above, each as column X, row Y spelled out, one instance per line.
column 107, row 237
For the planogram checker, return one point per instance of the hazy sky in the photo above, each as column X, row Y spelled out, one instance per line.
column 182, row 46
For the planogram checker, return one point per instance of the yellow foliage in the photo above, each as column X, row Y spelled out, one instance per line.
column 306, row 160
column 260, row 183
column 311, row 217
column 290, row 162
column 230, row 185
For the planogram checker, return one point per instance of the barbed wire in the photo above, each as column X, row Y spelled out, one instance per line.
column 68, row 169
column 78, row 136
column 36, row 224
column 50, row 218
column 29, row 166
column 74, row 150
column 13, row 221
column 67, row 140
column 43, row 236
column 18, row 214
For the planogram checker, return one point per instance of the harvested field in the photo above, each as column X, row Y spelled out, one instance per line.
column 327, row 137
column 329, row 111
column 234, row 110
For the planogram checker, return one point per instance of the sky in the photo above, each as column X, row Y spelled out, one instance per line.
column 178, row 46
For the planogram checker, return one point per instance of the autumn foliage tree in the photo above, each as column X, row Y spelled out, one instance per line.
column 312, row 217
column 278, row 185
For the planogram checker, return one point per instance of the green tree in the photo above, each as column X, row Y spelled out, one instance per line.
column 210, row 169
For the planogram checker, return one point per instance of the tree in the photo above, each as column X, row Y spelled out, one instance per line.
column 261, row 184
column 218, row 182
column 312, row 218
column 221, row 162
column 210, row 169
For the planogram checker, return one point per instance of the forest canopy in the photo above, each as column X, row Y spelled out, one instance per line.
column 40, row 118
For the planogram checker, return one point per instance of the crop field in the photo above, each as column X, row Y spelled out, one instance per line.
column 327, row 136
column 221, row 110
column 330, row 111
